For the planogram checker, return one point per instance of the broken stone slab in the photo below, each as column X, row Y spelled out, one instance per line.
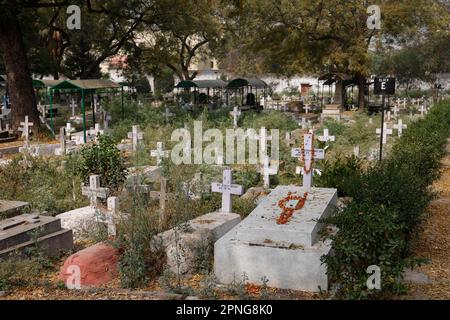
column 80, row 221
column 186, row 243
column 288, row 255
column 97, row 265
column 10, row 209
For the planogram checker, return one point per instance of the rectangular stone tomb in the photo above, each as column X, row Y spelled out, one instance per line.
column 287, row 255
column 27, row 230
column 10, row 209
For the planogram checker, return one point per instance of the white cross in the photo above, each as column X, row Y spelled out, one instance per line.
column 236, row 113
column 96, row 132
column 423, row 110
column 110, row 216
column 396, row 110
column 135, row 136
column 386, row 132
column 326, row 137
column 26, row 129
column 227, row 188
column 159, row 153
column 400, row 126
column 307, row 107
column 304, row 124
column 94, row 190
column 168, row 114
column 267, row 171
column 69, row 129
column 310, row 154
column 388, row 116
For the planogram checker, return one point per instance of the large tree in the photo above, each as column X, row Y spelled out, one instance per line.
column 297, row 36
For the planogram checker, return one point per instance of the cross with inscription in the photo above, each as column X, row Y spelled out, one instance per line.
column 227, row 188
column 308, row 154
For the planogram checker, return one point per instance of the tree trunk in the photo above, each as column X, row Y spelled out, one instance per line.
column 21, row 92
column 361, row 91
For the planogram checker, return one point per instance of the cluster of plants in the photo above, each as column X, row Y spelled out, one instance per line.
column 388, row 201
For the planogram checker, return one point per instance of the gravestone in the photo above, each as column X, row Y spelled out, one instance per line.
column 386, row 132
column 227, row 189
column 286, row 253
column 159, row 153
column 236, row 113
column 307, row 154
column 267, row 170
column 94, row 191
column 326, row 136
column 399, row 127
column 168, row 114
column 10, row 209
column 110, row 216
column 136, row 137
column 17, row 234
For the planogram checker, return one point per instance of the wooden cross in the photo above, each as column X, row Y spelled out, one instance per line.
column 386, row 132
column 326, row 136
column 159, row 153
column 26, row 129
column 135, row 136
column 308, row 154
column 109, row 217
column 227, row 188
column 94, row 190
column 400, row 126
column 236, row 113
column 168, row 114
column 267, row 171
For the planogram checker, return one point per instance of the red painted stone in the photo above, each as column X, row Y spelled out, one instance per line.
column 98, row 265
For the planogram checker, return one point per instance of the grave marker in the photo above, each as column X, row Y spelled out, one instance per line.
column 94, row 191
column 267, row 171
column 399, row 127
column 386, row 131
column 308, row 154
column 236, row 113
column 136, row 136
column 227, row 188
column 326, row 137
column 159, row 153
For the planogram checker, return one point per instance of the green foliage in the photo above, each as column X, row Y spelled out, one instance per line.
column 102, row 159
column 389, row 200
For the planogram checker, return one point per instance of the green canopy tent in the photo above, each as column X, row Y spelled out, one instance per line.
column 84, row 86
column 240, row 84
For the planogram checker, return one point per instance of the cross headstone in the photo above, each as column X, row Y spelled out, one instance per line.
column 308, row 154
column 267, row 171
column 236, row 113
column 396, row 109
column 227, row 188
column 326, row 136
column 400, row 126
column 69, row 130
column 168, row 114
column 136, row 136
column 303, row 123
column 94, row 191
column 423, row 110
column 163, row 197
column 26, row 130
column 307, row 107
column 110, row 215
column 386, row 132
column 159, row 153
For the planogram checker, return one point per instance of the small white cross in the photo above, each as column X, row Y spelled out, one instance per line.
column 304, row 124
column 168, row 114
column 136, row 136
column 267, row 171
column 94, row 190
column 227, row 188
column 26, row 129
column 386, row 132
column 307, row 107
column 396, row 110
column 400, row 126
column 159, row 153
column 326, row 137
column 423, row 110
column 310, row 154
column 110, row 216
column 236, row 113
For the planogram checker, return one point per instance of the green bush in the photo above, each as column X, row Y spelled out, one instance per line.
column 389, row 200
column 102, row 159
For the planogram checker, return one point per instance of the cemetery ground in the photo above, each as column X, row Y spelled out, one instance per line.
column 388, row 199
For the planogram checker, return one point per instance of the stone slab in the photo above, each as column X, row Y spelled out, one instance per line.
column 182, row 245
column 79, row 220
column 10, row 209
column 287, row 255
column 17, row 230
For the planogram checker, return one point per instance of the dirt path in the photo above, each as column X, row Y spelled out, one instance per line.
column 433, row 279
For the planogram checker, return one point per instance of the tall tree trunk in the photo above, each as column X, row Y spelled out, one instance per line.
column 361, row 80
column 21, row 92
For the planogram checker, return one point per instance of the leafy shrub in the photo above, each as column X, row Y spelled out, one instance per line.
column 102, row 159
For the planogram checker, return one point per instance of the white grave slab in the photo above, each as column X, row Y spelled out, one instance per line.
column 288, row 255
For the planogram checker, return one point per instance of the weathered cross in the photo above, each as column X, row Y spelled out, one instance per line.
column 396, row 109
column 163, row 197
column 308, row 155
column 304, row 124
column 94, row 190
column 326, row 136
column 135, row 136
column 110, row 216
column 386, row 132
column 26, row 129
column 159, row 153
column 236, row 113
column 227, row 188
column 168, row 114
column 267, row 171
column 400, row 126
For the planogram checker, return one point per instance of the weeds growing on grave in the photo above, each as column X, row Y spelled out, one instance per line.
column 389, row 200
